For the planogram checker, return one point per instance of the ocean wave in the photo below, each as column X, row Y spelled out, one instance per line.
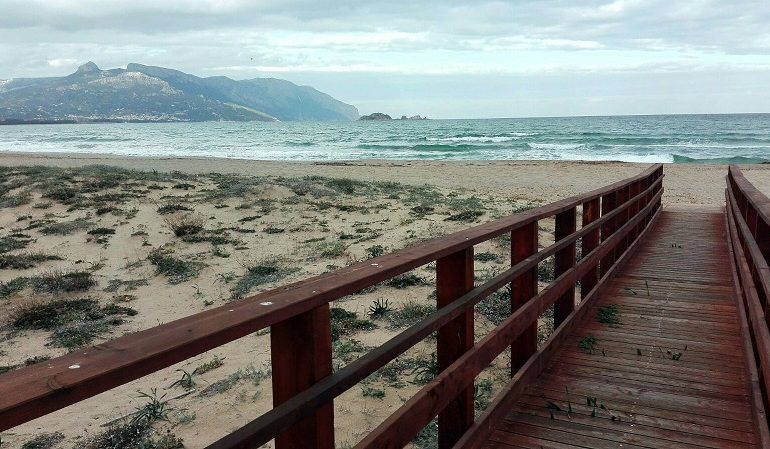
column 679, row 159
column 420, row 147
column 480, row 139
column 555, row 146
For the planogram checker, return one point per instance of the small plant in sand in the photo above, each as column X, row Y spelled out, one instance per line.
column 185, row 224
column 345, row 322
column 177, row 270
column 379, row 309
column 406, row 280
column 44, row 441
column 257, row 274
column 56, row 281
column 425, row 370
column 24, row 260
column 153, row 410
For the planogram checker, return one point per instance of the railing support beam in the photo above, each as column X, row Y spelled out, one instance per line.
column 454, row 278
column 523, row 288
column 301, row 355
column 564, row 260
column 589, row 243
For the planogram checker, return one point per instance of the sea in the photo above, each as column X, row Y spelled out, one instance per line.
column 726, row 138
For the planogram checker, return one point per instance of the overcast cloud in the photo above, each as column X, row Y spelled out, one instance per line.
column 441, row 59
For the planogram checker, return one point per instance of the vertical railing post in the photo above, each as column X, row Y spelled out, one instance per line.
column 564, row 259
column 622, row 218
column 454, row 278
column 523, row 288
column 589, row 243
column 609, row 202
column 301, row 354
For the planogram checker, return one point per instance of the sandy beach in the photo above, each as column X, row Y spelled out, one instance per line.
column 129, row 250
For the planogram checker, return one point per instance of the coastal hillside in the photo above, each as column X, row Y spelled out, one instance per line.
column 147, row 93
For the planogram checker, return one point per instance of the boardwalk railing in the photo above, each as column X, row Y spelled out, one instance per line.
column 748, row 217
column 613, row 220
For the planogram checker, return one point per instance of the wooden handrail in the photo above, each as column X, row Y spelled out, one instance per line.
column 747, row 211
column 298, row 316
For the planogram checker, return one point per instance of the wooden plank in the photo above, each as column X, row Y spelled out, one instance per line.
column 591, row 212
column 682, row 402
column 454, row 278
column 563, row 261
column 303, row 341
column 523, row 288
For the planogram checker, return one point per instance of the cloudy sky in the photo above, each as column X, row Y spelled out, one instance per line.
column 436, row 58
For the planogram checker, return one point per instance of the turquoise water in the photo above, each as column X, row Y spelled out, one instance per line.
column 743, row 138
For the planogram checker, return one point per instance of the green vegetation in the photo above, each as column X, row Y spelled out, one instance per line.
column 379, row 309
column 406, row 280
column 347, row 323
column 588, row 344
column 608, row 315
column 177, row 270
column 258, row 274
column 44, row 441
column 74, row 322
column 25, row 260
column 172, row 208
column 59, row 281
column 409, row 313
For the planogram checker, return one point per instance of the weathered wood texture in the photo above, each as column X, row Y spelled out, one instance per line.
column 669, row 372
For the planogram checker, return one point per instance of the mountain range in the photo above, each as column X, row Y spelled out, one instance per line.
column 155, row 94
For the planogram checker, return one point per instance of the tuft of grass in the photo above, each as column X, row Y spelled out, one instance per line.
column 258, row 274
column 608, row 315
column 14, row 242
column 13, row 286
column 371, row 392
column 497, row 307
column 425, row 370
column 172, row 208
column 65, row 227
column 74, row 322
column 177, row 270
column 212, row 364
column 588, row 344
column 24, row 260
column 346, row 323
column 486, row 257
column 58, row 281
column 273, row 230
column 466, row 216
column 256, row 376
column 44, row 441
column 406, row 280
column 409, row 313
column 375, row 251
column 101, row 231
column 183, row 225
column 329, row 249
column 545, row 270
column 132, row 435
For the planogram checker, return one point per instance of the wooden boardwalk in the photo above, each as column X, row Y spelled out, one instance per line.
column 671, row 373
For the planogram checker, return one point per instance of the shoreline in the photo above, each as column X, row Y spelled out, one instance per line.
column 546, row 180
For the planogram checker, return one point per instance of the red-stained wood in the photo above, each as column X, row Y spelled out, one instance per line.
column 563, row 261
column 591, row 213
column 398, row 429
column 454, row 278
column 299, row 317
column 301, row 355
column 660, row 402
column 260, row 430
column 609, row 202
column 523, row 288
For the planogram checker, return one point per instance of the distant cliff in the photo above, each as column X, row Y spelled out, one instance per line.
column 147, row 93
